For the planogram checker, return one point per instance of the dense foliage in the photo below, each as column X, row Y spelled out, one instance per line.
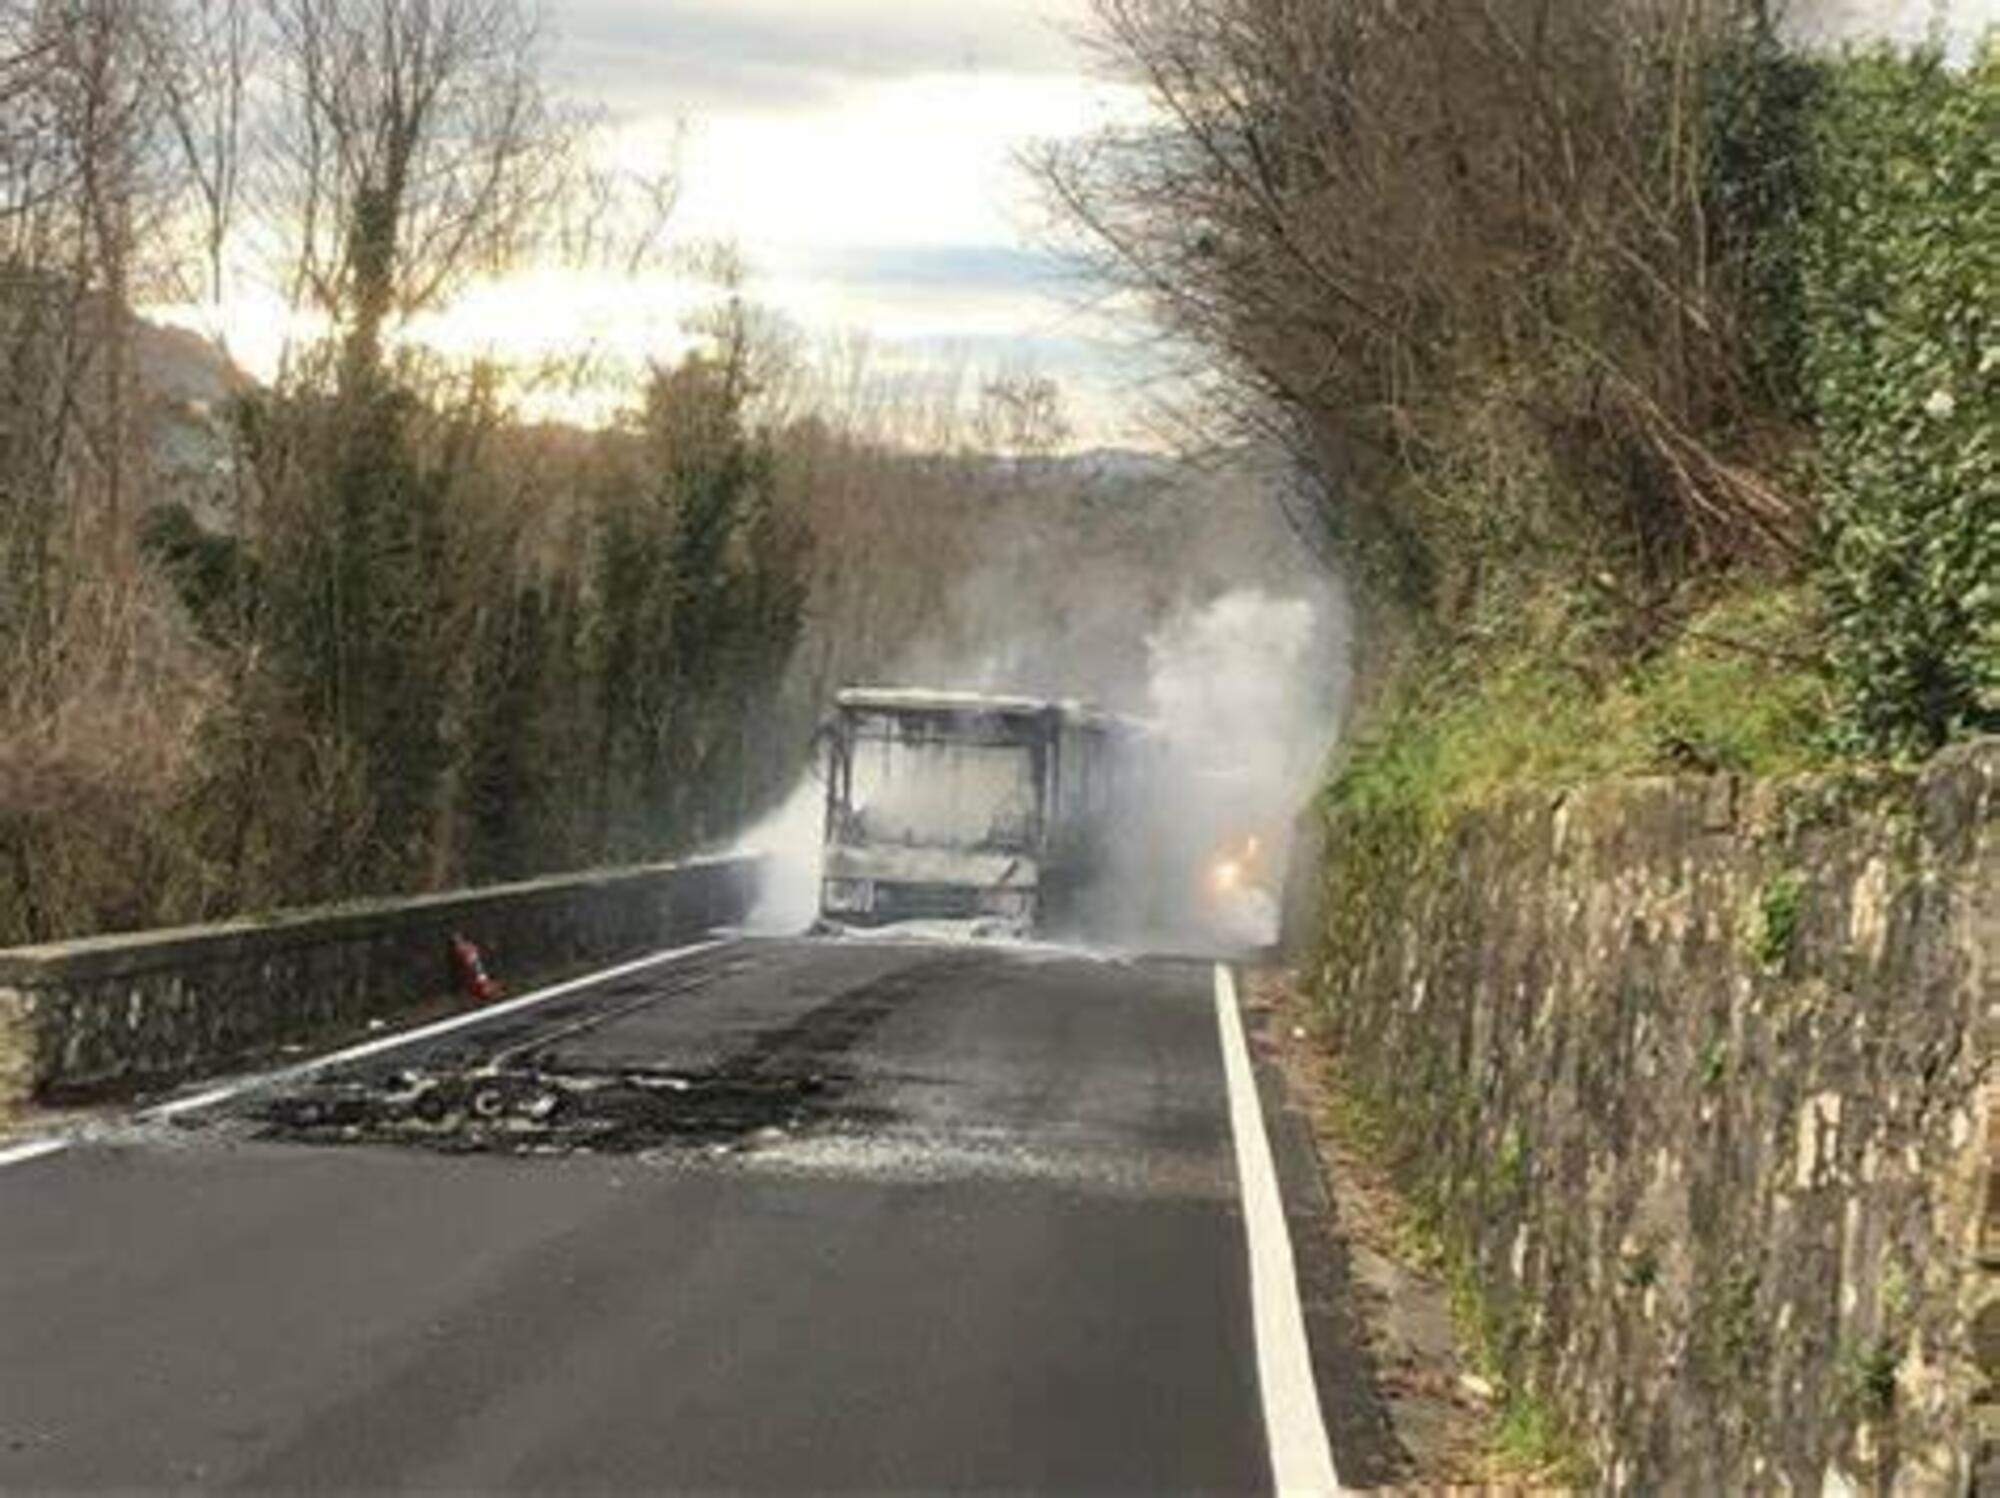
column 456, row 651
column 1902, row 319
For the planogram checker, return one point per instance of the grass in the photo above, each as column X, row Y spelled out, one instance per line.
column 1529, row 1442
column 1714, row 1062
column 1531, row 1445
column 1731, row 1340
column 1737, row 691
column 1778, row 919
column 1867, row 1378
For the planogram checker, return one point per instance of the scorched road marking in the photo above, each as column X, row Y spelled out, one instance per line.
column 36, row 1149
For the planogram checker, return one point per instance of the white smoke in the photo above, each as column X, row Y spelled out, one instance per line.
column 1245, row 693
column 791, row 841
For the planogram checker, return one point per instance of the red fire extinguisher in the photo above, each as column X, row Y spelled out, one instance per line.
column 468, row 971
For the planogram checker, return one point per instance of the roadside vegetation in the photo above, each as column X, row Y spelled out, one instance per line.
column 1738, row 691
column 360, row 629
column 1646, row 365
column 368, row 628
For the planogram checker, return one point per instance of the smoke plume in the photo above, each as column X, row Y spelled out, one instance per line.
column 1241, row 678
column 1245, row 694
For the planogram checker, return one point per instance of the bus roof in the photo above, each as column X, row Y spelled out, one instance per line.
column 924, row 700
column 930, row 700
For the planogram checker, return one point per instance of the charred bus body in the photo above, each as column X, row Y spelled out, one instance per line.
column 963, row 806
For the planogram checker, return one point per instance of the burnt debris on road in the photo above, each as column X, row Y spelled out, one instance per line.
column 559, row 1088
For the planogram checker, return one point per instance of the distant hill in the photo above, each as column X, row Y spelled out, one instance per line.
column 185, row 384
column 177, row 364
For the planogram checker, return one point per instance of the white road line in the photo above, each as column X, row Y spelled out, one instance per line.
column 423, row 1032
column 1301, row 1457
column 35, row 1149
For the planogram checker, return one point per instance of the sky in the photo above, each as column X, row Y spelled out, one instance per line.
column 862, row 157
column 1959, row 21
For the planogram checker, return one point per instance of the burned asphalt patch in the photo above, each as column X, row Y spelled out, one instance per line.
column 572, row 1088
column 530, row 1111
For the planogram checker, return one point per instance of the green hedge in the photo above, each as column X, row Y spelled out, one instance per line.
column 1902, row 324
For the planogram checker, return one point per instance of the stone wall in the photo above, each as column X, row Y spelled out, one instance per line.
column 1694, row 1076
column 119, row 1012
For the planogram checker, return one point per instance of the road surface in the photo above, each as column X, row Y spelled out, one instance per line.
column 766, row 1215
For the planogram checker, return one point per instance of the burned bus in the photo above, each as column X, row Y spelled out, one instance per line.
column 963, row 806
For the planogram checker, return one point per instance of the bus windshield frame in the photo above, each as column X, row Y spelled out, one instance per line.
column 946, row 753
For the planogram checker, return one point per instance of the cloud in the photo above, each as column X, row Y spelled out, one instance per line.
column 862, row 154
column 1956, row 23
column 924, row 159
column 787, row 55
column 948, row 265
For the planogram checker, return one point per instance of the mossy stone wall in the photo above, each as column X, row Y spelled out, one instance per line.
column 1693, row 1075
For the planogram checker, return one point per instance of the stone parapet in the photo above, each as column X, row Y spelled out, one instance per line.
column 131, row 1010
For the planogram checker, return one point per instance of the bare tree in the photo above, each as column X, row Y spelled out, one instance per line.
column 204, row 53
column 412, row 148
column 78, row 193
column 613, row 217
column 97, row 689
column 1021, row 415
column 1414, row 232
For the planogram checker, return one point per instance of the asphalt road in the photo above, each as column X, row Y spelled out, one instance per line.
column 778, row 1215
